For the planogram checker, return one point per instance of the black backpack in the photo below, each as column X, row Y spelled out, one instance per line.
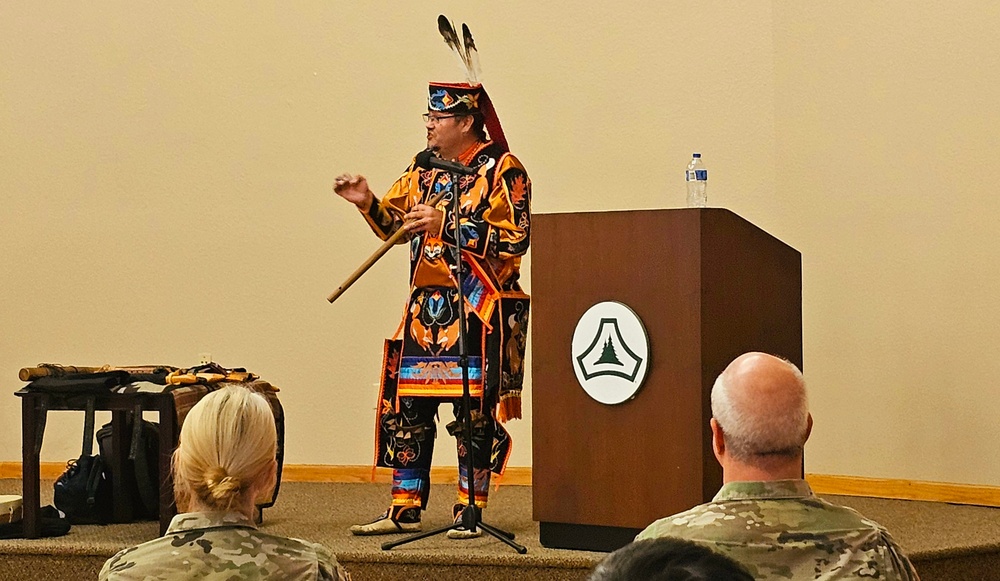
column 141, row 477
column 83, row 491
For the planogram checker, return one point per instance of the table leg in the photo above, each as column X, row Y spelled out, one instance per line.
column 30, row 476
column 120, row 440
column 168, row 442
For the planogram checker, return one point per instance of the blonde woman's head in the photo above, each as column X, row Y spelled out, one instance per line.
column 226, row 455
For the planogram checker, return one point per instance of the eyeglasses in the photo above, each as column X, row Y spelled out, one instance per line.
column 428, row 118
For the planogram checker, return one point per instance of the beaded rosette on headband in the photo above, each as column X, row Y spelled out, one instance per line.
column 467, row 98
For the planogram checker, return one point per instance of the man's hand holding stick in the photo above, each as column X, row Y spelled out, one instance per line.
column 421, row 218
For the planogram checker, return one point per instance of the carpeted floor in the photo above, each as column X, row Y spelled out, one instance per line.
column 945, row 541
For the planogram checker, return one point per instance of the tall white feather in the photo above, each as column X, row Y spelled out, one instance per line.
column 450, row 35
column 471, row 55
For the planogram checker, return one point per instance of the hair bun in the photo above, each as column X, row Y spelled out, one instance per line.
column 220, row 484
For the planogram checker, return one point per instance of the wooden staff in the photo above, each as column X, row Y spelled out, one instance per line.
column 55, row 370
column 378, row 253
column 45, row 370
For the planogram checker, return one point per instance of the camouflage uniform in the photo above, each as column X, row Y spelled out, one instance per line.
column 217, row 546
column 781, row 530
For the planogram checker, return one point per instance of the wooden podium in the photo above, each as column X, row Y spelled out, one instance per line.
column 708, row 286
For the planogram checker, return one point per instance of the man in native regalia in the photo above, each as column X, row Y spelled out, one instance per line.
column 422, row 365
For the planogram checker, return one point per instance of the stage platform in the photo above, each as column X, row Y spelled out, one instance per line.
column 945, row 542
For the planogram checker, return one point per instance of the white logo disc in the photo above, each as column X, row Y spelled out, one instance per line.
column 610, row 352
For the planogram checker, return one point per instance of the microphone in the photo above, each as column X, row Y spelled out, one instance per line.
column 427, row 160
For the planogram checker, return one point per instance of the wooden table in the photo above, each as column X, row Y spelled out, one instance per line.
column 34, row 408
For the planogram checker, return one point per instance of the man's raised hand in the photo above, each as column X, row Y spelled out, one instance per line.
column 354, row 189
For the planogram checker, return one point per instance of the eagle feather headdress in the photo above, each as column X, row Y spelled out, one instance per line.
column 464, row 48
column 471, row 96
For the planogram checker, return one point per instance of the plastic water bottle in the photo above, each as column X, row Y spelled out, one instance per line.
column 697, row 180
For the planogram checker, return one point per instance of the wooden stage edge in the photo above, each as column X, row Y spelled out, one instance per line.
column 892, row 488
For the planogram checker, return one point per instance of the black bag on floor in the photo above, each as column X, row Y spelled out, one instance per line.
column 141, row 476
column 54, row 524
column 83, row 492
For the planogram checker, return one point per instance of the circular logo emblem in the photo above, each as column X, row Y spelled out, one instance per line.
column 610, row 352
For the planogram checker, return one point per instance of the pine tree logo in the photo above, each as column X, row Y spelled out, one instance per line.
column 608, row 354
column 602, row 358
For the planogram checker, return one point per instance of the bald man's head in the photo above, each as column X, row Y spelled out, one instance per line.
column 760, row 403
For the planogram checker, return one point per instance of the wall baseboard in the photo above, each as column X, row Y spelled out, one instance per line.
column 48, row 470
column 899, row 489
column 517, row 476
column 521, row 476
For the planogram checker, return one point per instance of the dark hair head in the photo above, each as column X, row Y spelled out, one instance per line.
column 667, row 559
column 478, row 126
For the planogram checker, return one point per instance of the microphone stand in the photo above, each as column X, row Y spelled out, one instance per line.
column 471, row 515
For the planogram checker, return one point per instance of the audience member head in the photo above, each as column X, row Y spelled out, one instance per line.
column 760, row 418
column 667, row 559
column 226, row 455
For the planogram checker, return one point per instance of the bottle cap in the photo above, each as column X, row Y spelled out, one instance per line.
column 695, row 155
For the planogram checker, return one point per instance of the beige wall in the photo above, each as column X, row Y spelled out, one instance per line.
column 887, row 157
column 167, row 168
